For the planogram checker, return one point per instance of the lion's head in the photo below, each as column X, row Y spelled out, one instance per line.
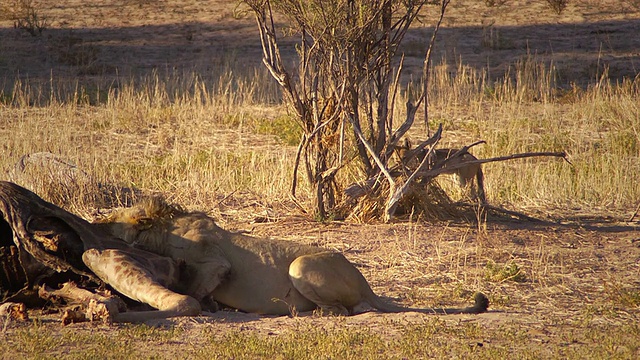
column 127, row 223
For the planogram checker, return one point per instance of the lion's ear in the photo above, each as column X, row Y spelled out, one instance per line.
column 143, row 223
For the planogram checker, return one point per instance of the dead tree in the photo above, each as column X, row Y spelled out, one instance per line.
column 344, row 87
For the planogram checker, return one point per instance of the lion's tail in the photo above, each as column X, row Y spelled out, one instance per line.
column 481, row 304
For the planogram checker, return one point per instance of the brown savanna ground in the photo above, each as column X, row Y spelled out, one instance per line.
column 569, row 287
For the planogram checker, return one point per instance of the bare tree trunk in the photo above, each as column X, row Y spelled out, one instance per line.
column 383, row 81
column 346, row 54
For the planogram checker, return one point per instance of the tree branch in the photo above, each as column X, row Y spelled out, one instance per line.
column 360, row 189
column 375, row 157
column 394, row 197
column 431, row 173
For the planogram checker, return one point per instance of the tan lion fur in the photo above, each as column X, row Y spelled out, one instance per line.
column 264, row 276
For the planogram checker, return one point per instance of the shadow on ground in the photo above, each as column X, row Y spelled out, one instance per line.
column 580, row 52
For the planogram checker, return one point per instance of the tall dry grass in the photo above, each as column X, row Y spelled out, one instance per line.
column 198, row 140
column 528, row 111
column 172, row 133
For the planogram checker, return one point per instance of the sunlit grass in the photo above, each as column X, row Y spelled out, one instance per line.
column 434, row 338
column 178, row 134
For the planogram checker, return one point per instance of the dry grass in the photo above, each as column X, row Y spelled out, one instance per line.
column 525, row 112
column 172, row 135
column 198, row 131
column 549, row 299
column 179, row 136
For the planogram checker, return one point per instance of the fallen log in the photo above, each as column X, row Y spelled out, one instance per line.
column 360, row 189
column 431, row 173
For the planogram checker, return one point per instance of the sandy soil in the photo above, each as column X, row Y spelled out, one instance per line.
column 575, row 275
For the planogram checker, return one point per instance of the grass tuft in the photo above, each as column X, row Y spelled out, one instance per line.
column 507, row 272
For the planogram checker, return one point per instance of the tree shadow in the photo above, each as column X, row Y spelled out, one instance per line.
column 579, row 52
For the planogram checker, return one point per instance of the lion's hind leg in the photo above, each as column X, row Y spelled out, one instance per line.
column 329, row 280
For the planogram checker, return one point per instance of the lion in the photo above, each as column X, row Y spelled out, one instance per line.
column 256, row 275
column 465, row 175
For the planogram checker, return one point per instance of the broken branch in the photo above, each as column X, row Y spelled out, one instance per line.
column 395, row 196
column 431, row 173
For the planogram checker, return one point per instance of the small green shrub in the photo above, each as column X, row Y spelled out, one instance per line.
column 622, row 296
column 558, row 5
column 284, row 127
column 492, row 3
column 508, row 272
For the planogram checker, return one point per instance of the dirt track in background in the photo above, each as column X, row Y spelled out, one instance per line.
column 103, row 39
